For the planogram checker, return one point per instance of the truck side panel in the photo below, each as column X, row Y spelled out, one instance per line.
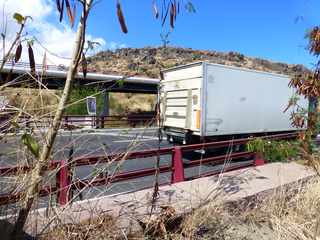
column 243, row 101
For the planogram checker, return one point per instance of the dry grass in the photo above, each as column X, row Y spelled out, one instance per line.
column 122, row 103
column 102, row 227
column 33, row 101
column 45, row 101
column 282, row 215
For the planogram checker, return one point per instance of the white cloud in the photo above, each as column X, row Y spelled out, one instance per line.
column 113, row 45
column 37, row 9
column 58, row 39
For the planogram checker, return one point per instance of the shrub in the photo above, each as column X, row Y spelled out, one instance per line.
column 274, row 151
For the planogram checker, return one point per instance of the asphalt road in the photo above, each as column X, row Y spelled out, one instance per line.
column 104, row 142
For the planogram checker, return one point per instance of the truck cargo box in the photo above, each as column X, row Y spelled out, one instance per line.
column 205, row 99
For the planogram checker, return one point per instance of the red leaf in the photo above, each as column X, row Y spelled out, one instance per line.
column 18, row 53
column 121, row 18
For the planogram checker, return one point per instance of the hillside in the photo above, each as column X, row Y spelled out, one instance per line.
column 147, row 61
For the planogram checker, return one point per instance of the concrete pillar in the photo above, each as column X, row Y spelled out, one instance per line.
column 105, row 109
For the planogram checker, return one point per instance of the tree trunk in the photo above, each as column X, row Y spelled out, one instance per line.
column 43, row 161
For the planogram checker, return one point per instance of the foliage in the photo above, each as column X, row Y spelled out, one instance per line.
column 307, row 84
column 18, row 17
column 274, row 151
column 318, row 124
column 31, row 143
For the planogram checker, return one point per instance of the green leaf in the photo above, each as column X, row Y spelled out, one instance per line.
column 120, row 82
column 31, row 144
column 18, row 17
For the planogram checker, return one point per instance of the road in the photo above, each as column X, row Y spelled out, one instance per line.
column 104, row 142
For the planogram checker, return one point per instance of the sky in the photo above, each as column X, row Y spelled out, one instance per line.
column 272, row 29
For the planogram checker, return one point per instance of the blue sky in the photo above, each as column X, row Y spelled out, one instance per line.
column 265, row 29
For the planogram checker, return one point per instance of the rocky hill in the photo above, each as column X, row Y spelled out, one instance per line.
column 147, row 61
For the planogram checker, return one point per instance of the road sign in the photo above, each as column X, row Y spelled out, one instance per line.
column 92, row 105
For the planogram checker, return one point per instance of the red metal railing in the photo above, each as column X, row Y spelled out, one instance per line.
column 64, row 184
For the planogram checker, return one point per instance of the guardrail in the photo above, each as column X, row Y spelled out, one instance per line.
column 81, row 121
column 64, row 185
column 40, row 67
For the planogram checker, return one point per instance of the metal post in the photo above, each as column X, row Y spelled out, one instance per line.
column 258, row 160
column 105, row 109
column 63, row 183
column 177, row 164
column 102, row 122
column 28, row 122
column 66, row 121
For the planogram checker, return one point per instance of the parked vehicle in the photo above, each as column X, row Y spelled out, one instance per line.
column 211, row 101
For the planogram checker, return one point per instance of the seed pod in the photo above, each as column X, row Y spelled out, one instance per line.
column 164, row 17
column 172, row 15
column 61, row 10
column 44, row 62
column 18, row 53
column 31, row 59
column 84, row 65
column 70, row 14
column 121, row 18
column 58, row 5
column 175, row 9
column 74, row 12
column 155, row 10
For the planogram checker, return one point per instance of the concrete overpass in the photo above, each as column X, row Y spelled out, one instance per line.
column 53, row 77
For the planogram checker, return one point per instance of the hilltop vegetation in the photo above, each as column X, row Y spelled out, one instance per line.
column 147, row 61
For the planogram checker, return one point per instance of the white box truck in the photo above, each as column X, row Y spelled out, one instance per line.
column 205, row 100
